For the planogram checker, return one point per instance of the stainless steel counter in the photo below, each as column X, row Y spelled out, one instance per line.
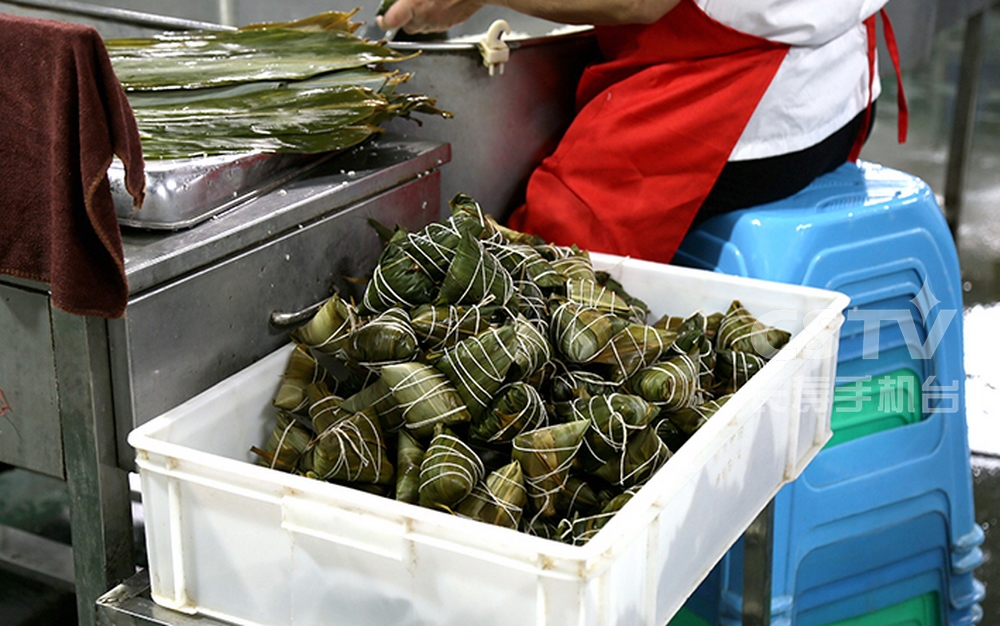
column 201, row 298
column 72, row 387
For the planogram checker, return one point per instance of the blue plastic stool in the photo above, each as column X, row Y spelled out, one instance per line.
column 877, row 235
column 897, row 555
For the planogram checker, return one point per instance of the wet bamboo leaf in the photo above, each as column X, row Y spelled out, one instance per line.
column 478, row 366
column 426, row 397
column 475, row 275
column 409, row 457
column 518, row 407
column 286, row 444
column 301, row 371
column 733, row 369
column 579, row 333
column 387, row 338
column 440, row 327
column 281, row 51
column 499, row 499
column 450, row 470
column 329, row 327
column 741, row 331
column 351, row 450
column 688, row 420
column 546, row 455
column 672, row 384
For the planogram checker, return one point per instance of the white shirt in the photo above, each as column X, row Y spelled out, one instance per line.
column 822, row 83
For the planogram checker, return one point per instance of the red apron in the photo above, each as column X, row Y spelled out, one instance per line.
column 655, row 127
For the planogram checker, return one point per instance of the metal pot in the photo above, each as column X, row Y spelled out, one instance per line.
column 504, row 124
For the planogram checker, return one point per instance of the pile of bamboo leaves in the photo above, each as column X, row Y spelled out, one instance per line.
column 303, row 87
column 493, row 376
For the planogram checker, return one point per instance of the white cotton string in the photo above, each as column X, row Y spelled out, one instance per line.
column 326, row 405
column 337, row 334
column 467, row 363
column 350, row 438
column 392, row 323
column 383, row 290
column 742, row 325
column 679, row 391
column 534, row 409
column 532, row 304
column 471, row 471
column 534, row 484
column 566, row 330
column 477, row 274
column 615, row 419
column 485, row 494
column 661, row 455
column 281, row 442
column 583, row 536
column 424, row 240
column 440, row 387
column 532, row 344
column 590, row 294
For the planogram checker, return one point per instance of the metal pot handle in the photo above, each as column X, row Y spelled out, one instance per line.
column 495, row 52
column 289, row 319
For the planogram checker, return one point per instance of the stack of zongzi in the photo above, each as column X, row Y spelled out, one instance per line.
column 506, row 379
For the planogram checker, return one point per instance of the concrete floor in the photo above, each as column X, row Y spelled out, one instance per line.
column 38, row 504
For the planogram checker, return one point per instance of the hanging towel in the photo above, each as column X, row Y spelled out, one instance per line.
column 63, row 115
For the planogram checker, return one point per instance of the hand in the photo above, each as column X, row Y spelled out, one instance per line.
column 428, row 16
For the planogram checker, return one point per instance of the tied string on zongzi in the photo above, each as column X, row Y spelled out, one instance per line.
column 478, row 366
column 546, row 456
column 518, row 408
column 672, row 384
column 301, row 371
column 499, row 500
column 579, row 332
column 441, row 327
column 425, row 395
column 450, row 470
column 350, row 450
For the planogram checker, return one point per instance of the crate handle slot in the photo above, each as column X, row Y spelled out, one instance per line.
column 343, row 526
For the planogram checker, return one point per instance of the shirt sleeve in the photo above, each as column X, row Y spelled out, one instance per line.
column 795, row 22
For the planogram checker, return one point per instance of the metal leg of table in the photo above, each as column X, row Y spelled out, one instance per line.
column 758, row 547
column 100, row 511
column 963, row 120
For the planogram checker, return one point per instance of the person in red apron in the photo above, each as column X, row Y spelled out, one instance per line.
column 699, row 107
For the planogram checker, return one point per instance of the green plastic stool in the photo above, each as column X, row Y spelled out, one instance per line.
column 920, row 611
column 875, row 404
column 686, row 618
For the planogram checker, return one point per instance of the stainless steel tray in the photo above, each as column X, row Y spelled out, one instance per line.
column 183, row 192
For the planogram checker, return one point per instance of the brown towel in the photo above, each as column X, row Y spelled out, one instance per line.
column 63, row 114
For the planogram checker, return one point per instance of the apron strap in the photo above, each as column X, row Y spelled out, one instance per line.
column 904, row 111
column 890, row 43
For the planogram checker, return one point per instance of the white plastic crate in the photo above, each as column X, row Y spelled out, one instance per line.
column 234, row 540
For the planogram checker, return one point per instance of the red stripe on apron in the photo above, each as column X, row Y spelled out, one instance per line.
column 655, row 128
